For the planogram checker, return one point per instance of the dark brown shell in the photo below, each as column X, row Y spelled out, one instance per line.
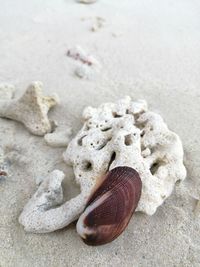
column 114, row 199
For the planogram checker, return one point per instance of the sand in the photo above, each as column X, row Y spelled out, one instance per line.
column 147, row 49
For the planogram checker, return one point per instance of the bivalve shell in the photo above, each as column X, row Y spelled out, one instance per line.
column 110, row 207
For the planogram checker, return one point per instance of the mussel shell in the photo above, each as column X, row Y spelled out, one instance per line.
column 110, row 207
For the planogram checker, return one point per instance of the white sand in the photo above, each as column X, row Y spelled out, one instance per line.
column 147, row 49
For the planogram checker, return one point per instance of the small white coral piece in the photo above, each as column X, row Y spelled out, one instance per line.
column 86, row 65
column 60, row 137
column 98, row 24
column 31, row 109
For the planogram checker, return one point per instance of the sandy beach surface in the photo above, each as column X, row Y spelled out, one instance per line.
column 147, row 49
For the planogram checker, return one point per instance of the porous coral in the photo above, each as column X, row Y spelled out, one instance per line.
column 127, row 134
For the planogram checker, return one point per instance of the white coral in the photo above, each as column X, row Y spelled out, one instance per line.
column 127, row 134
column 31, row 109
column 60, row 137
column 118, row 134
column 42, row 213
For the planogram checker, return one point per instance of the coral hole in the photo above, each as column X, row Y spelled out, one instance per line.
column 106, row 129
column 156, row 165
column 142, row 133
column 154, row 168
column 128, row 140
column 103, row 144
column 80, row 140
column 112, row 158
column 87, row 165
column 115, row 115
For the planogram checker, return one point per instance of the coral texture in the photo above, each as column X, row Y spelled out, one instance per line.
column 124, row 133
column 3, row 165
